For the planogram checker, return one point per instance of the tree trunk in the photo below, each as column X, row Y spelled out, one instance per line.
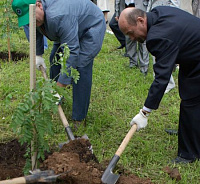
column 8, row 39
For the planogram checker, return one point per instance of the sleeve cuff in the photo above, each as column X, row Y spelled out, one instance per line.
column 146, row 109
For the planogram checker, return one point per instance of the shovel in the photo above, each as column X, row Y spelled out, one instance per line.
column 64, row 119
column 37, row 176
column 108, row 176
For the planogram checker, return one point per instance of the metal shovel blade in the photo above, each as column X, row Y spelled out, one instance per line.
column 60, row 145
column 108, row 176
column 69, row 133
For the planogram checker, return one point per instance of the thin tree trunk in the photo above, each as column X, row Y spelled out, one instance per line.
column 8, row 39
column 9, row 51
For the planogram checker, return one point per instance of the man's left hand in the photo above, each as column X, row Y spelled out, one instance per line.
column 62, row 85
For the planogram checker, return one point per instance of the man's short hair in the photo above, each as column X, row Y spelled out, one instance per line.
column 133, row 15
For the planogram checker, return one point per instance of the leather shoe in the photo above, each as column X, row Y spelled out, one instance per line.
column 144, row 73
column 171, row 131
column 133, row 65
column 78, row 124
column 125, row 55
column 180, row 160
column 121, row 47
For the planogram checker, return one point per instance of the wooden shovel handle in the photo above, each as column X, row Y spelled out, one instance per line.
column 62, row 116
column 20, row 180
column 126, row 140
column 43, row 72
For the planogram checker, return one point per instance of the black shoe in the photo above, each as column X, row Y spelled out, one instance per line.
column 171, row 131
column 144, row 70
column 125, row 55
column 144, row 73
column 180, row 160
column 133, row 65
column 121, row 47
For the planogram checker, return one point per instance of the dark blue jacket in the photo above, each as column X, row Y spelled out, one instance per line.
column 173, row 37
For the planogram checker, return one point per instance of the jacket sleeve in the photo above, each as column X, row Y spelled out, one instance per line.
column 39, row 43
column 165, row 52
column 67, row 32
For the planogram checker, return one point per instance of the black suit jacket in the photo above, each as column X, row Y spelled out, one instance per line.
column 173, row 37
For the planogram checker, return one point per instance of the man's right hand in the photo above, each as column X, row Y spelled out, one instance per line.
column 39, row 62
column 140, row 119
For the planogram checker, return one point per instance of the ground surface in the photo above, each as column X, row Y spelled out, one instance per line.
column 75, row 162
column 14, row 56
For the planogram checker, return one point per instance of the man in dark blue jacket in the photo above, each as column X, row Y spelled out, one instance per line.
column 172, row 36
column 81, row 25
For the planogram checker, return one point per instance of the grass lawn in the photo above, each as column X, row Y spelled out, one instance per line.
column 118, row 93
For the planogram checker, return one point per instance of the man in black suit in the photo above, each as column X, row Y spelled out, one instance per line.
column 172, row 36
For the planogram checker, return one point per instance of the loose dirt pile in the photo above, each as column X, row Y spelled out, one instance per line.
column 75, row 162
column 173, row 173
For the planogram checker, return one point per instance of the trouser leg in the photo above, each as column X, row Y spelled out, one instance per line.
column 82, row 92
column 55, row 68
column 189, row 129
column 171, row 84
column 131, row 50
column 117, row 32
column 45, row 42
column 26, row 30
column 143, row 57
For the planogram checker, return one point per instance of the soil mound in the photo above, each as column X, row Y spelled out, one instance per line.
column 75, row 163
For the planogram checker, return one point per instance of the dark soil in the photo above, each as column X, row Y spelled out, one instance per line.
column 15, row 56
column 173, row 173
column 75, row 163
column 12, row 159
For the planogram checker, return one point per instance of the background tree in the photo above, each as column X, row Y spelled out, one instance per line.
column 8, row 24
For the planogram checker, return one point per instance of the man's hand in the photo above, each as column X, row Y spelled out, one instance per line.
column 64, row 85
column 140, row 119
column 117, row 18
column 39, row 62
column 61, row 85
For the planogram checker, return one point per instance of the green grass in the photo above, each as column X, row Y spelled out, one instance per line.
column 118, row 93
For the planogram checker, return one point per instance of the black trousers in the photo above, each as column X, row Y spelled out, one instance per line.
column 189, row 129
column 115, row 29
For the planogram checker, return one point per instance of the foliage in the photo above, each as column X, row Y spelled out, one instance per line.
column 7, row 25
column 63, row 57
column 32, row 119
column 9, row 19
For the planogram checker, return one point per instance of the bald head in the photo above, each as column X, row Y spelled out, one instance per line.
column 123, row 19
column 133, row 22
